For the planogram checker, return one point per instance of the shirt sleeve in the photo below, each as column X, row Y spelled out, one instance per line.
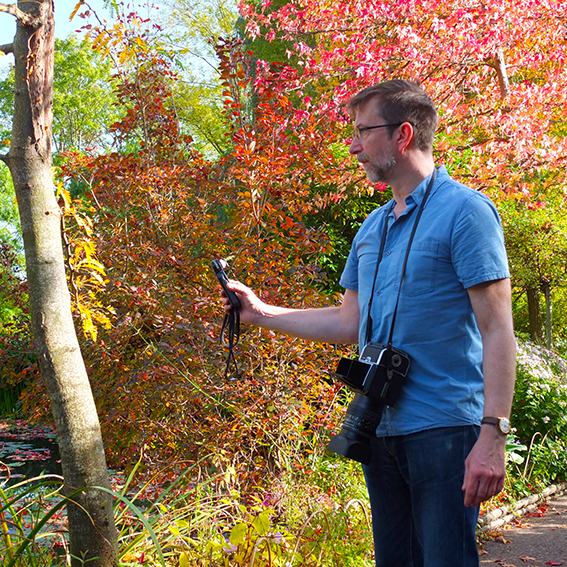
column 477, row 243
column 349, row 277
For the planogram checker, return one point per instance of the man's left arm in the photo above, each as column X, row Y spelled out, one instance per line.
column 485, row 466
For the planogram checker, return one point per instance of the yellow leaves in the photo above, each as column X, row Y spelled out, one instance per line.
column 250, row 539
column 262, row 522
column 62, row 192
column 141, row 44
column 183, row 560
column 75, row 10
column 127, row 42
column 92, row 315
column 126, row 55
column 100, row 40
column 179, row 525
column 89, row 328
column 230, row 475
column 238, row 533
column 214, row 546
column 95, row 268
column 87, row 275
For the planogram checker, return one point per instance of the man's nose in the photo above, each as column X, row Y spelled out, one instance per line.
column 355, row 146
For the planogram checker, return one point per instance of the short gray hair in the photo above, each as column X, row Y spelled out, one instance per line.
column 402, row 101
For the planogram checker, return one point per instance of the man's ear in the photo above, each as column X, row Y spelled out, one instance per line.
column 405, row 136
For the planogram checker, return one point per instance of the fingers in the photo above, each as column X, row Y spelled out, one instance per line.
column 237, row 288
column 250, row 304
column 475, row 495
column 478, row 489
column 226, row 303
column 484, row 475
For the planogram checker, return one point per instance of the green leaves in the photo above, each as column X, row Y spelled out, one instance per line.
column 539, row 415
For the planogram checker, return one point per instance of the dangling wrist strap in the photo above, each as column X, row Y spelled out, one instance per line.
column 231, row 323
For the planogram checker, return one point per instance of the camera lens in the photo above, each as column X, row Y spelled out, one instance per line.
column 362, row 418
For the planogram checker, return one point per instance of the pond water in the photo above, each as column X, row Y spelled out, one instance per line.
column 27, row 451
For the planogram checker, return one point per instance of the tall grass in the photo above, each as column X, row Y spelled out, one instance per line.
column 209, row 523
column 30, row 522
column 198, row 521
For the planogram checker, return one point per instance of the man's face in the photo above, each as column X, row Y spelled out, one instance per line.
column 373, row 148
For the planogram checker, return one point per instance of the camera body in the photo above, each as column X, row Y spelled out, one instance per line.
column 377, row 377
column 369, row 374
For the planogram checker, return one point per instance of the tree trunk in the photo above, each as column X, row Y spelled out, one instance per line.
column 536, row 319
column 546, row 289
column 92, row 532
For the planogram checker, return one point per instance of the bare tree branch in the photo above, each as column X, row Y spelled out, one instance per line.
column 498, row 63
column 26, row 19
column 8, row 48
column 4, row 158
column 503, row 81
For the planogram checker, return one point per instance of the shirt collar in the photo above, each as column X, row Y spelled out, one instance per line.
column 416, row 196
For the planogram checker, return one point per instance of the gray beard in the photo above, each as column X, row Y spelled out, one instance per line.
column 380, row 172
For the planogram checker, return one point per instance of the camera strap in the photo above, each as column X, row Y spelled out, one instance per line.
column 380, row 255
column 231, row 323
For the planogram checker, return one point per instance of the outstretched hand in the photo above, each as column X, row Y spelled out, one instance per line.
column 251, row 306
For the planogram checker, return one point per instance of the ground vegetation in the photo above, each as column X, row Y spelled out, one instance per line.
column 269, row 186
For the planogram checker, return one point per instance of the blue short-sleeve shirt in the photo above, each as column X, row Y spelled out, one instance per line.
column 458, row 243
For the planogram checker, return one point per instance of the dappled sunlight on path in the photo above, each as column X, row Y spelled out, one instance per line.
column 535, row 540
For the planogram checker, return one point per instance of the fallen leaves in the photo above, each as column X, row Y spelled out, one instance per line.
column 539, row 513
column 525, row 559
column 503, row 563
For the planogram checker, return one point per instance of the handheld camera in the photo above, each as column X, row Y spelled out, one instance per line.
column 218, row 267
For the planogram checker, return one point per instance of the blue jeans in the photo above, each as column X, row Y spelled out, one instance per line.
column 415, row 486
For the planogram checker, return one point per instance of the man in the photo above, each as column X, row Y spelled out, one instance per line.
column 433, row 462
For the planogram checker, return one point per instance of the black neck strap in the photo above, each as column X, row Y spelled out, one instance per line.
column 381, row 253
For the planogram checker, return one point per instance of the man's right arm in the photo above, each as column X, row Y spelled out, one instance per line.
column 337, row 325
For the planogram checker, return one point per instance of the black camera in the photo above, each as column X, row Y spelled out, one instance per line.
column 377, row 377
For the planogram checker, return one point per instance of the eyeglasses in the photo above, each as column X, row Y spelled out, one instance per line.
column 358, row 132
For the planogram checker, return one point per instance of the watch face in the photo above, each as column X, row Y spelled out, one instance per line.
column 504, row 425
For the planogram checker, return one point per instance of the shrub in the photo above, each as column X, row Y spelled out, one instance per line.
column 539, row 413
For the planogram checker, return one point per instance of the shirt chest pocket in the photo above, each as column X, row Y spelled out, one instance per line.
column 421, row 269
